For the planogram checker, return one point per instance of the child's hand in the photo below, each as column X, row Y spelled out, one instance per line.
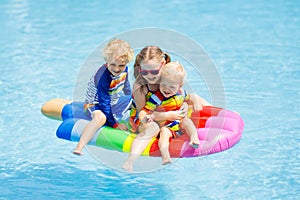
column 122, row 127
column 147, row 119
column 197, row 106
column 198, row 102
column 184, row 109
column 174, row 115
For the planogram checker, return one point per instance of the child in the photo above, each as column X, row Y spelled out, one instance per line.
column 147, row 67
column 147, row 75
column 108, row 91
column 170, row 97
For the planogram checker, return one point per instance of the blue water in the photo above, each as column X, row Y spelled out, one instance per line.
column 254, row 46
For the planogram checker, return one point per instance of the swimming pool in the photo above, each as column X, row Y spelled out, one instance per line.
column 255, row 48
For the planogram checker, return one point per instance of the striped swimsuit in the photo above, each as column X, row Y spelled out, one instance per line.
column 157, row 102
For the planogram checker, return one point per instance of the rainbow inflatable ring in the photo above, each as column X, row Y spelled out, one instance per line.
column 218, row 130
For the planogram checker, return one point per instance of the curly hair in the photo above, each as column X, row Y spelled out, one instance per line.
column 117, row 48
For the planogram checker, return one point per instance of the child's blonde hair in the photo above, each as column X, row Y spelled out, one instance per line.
column 173, row 71
column 146, row 54
column 116, row 49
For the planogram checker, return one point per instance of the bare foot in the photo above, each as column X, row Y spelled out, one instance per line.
column 166, row 161
column 77, row 152
column 128, row 166
column 195, row 142
column 194, row 146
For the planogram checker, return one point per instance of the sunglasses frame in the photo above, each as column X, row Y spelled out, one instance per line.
column 153, row 72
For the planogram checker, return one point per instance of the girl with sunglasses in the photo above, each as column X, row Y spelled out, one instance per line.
column 147, row 76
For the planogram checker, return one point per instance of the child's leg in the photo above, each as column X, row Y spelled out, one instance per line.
column 98, row 120
column 140, row 143
column 163, row 143
column 188, row 125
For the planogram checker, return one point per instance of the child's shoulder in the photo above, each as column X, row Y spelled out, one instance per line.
column 100, row 72
column 101, row 68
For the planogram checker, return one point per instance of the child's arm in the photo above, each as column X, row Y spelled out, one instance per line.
column 197, row 102
column 146, row 114
column 144, row 117
column 139, row 96
column 168, row 115
column 172, row 115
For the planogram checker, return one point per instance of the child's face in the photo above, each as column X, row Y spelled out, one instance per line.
column 169, row 87
column 150, row 71
column 117, row 66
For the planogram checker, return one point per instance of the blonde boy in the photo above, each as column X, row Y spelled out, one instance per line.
column 108, row 92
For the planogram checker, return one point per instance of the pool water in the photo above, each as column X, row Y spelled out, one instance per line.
column 254, row 46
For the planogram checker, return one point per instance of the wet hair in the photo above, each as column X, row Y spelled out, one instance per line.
column 146, row 54
column 116, row 49
column 173, row 71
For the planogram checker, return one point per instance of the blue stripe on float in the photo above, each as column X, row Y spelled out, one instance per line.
column 73, row 110
column 67, row 112
column 65, row 129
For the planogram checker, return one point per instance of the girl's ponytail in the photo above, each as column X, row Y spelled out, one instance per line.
column 167, row 57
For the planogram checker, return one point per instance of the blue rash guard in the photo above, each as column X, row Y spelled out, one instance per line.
column 105, row 91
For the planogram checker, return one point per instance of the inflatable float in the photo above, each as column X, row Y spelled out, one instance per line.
column 218, row 130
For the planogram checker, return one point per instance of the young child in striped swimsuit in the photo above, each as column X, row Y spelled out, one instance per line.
column 170, row 97
column 108, row 92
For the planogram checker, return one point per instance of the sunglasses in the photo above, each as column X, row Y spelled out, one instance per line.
column 153, row 72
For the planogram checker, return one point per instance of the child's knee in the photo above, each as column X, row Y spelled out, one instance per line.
column 149, row 130
column 186, row 122
column 149, row 127
column 154, row 126
column 99, row 117
column 165, row 132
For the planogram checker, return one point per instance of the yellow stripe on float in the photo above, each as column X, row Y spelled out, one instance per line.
column 129, row 140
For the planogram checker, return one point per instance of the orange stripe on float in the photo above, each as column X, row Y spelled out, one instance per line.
column 175, row 147
column 53, row 108
column 154, row 150
column 200, row 117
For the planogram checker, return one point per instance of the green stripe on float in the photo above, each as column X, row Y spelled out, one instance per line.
column 112, row 139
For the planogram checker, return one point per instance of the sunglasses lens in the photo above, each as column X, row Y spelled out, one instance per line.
column 144, row 73
column 154, row 72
